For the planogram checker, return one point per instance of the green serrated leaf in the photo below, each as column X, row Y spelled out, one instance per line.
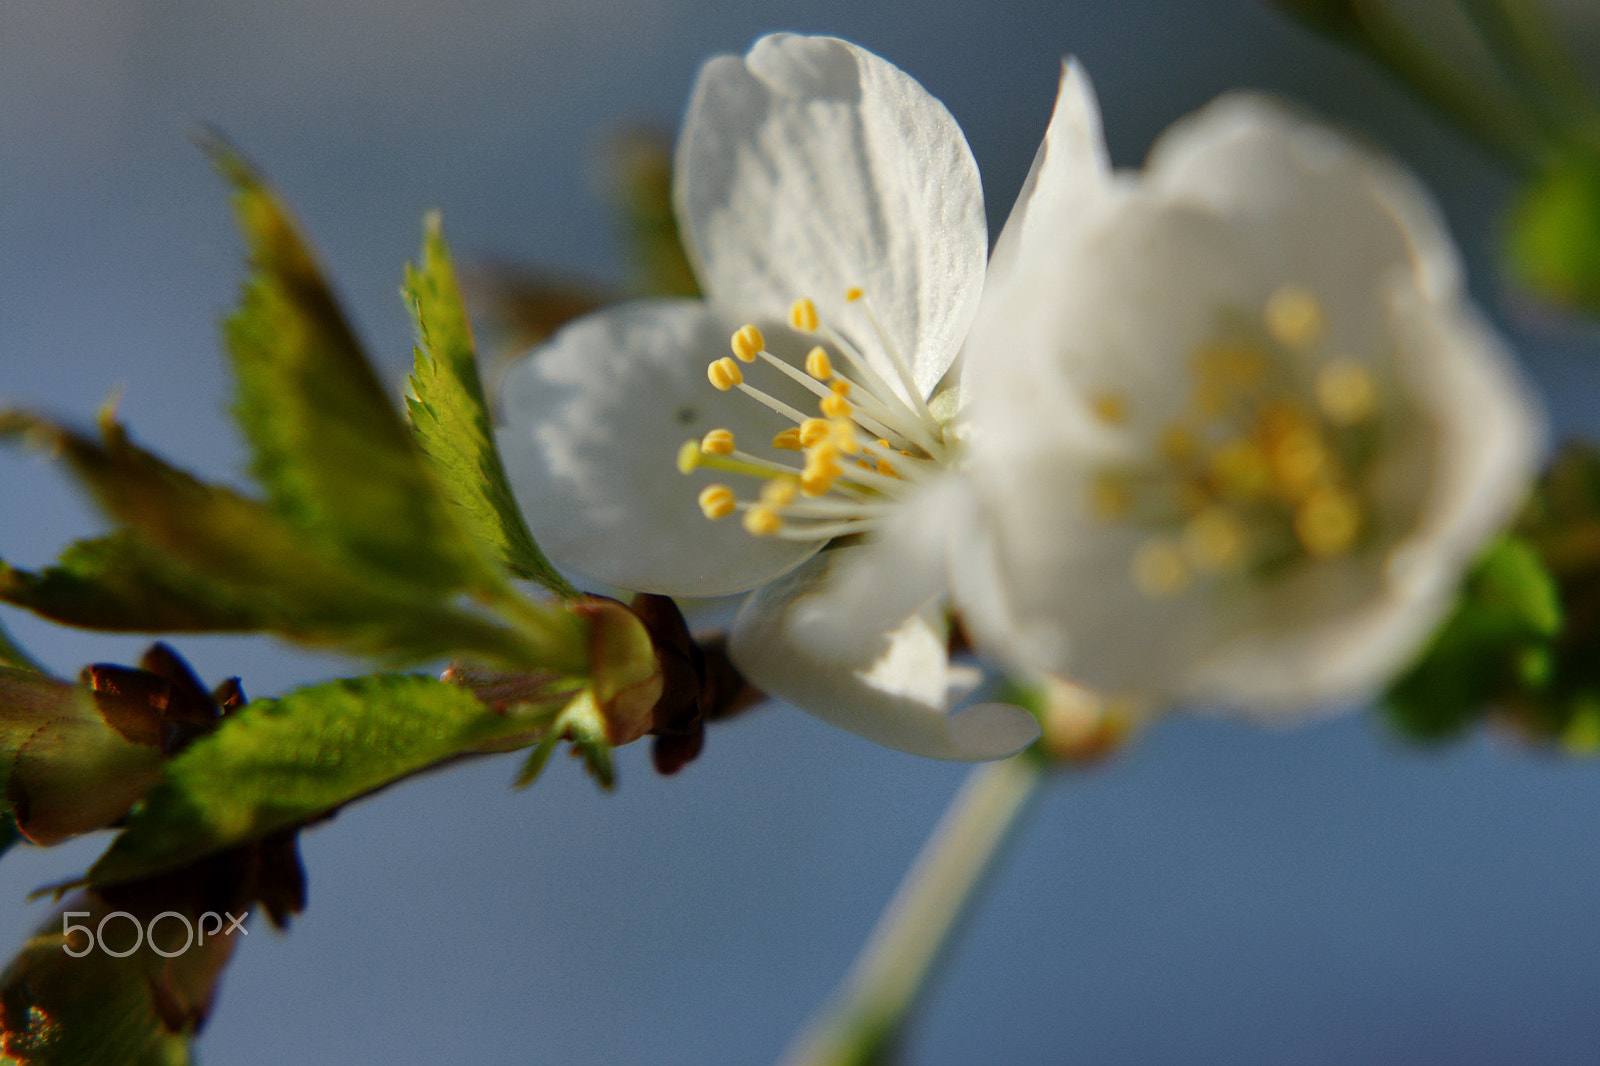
column 450, row 418
column 1510, row 607
column 120, row 582
column 329, row 446
column 235, row 560
column 281, row 763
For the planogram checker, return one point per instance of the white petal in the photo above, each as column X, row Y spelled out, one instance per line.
column 895, row 690
column 594, row 421
column 812, row 166
column 1246, row 155
column 1070, row 171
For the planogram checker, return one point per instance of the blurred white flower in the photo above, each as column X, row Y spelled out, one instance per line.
column 833, row 214
column 1236, row 429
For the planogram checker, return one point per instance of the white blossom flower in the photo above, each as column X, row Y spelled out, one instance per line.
column 1237, row 429
column 833, row 214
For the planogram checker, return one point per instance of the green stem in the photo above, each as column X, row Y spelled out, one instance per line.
column 870, row 1009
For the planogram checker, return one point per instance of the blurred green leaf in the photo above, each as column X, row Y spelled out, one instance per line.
column 226, row 559
column 331, row 450
column 283, row 762
column 120, row 582
column 640, row 168
column 92, row 1011
column 141, row 1004
column 1553, row 244
column 1499, row 639
column 451, row 419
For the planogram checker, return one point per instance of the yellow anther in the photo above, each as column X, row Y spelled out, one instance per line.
column 814, row 484
column 814, row 430
column 788, row 441
column 835, row 406
column 1177, row 444
column 747, row 343
column 1293, row 316
column 717, row 442
column 1110, row 409
column 1300, row 462
column 762, row 521
column 842, row 434
column 725, row 374
column 803, row 313
column 716, row 501
column 688, row 456
column 1213, row 538
column 778, row 493
column 1328, row 522
column 1241, row 468
column 1109, row 496
column 853, row 294
column 818, row 365
column 886, row 470
column 1346, row 392
column 1158, row 569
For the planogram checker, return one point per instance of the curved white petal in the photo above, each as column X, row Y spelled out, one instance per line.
column 594, row 420
column 1071, row 170
column 1246, row 155
column 812, row 166
column 895, row 690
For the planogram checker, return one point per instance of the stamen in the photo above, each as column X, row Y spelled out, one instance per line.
column 1109, row 496
column 836, row 406
column 716, row 501
column 803, row 315
column 1213, row 538
column 818, row 365
column 788, row 441
column 778, row 493
column 826, row 531
column 747, row 342
column 853, row 294
column 842, row 434
column 1328, row 522
column 901, row 367
column 814, row 430
column 717, row 442
column 1345, row 392
column 1158, row 569
column 762, row 521
column 1110, row 409
column 724, row 374
column 894, row 410
column 1293, row 317
column 775, row 404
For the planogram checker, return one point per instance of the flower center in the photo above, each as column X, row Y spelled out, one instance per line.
column 857, row 455
column 1265, row 466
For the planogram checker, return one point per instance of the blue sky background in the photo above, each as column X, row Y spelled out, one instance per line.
column 1218, row 894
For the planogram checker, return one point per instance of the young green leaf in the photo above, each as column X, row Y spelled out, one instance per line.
column 281, row 763
column 1508, row 618
column 231, row 562
column 451, row 418
column 1554, row 240
column 120, row 582
column 330, row 447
